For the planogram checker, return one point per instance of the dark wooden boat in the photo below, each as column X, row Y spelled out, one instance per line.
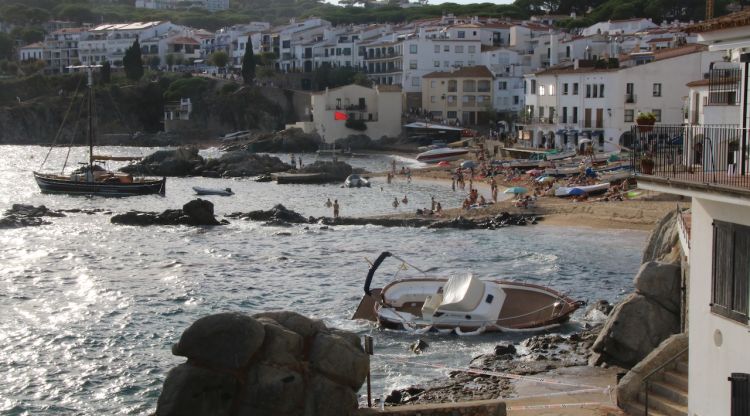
column 92, row 179
column 463, row 304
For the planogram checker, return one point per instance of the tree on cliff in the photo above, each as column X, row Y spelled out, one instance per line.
column 248, row 65
column 133, row 62
column 220, row 59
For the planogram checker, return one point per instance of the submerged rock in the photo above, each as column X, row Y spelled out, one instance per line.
column 275, row 363
column 419, row 346
column 21, row 215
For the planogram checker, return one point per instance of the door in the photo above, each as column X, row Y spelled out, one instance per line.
column 599, row 118
column 587, row 118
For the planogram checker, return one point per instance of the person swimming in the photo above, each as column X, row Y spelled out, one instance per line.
column 328, row 203
column 405, row 200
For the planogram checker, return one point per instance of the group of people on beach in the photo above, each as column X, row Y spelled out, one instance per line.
column 294, row 161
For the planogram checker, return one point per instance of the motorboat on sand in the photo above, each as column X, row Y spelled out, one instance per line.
column 356, row 181
column 465, row 305
column 441, row 154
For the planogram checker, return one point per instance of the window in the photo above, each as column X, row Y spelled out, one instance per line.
column 461, row 34
column 415, row 81
column 433, row 83
column 601, row 90
column 657, row 90
column 436, row 114
column 472, row 49
column 459, row 48
column 446, row 64
column 433, row 99
column 541, row 90
column 629, row 115
column 657, row 114
column 437, row 48
column 436, row 64
column 588, row 90
column 347, row 51
column 483, row 86
column 452, row 114
column 533, row 86
column 452, row 100
column 564, row 115
column 413, row 64
column 469, row 86
column 469, row 100
column 413, row 49
column 575, row 88
column 595, row 90
column 730, row 277
column 575, row 115
column 565, row 89
column 452, row 85
column 541, row 111
column 502, row 85
column 551, row 89
column 483, row 100
column 515, row 99
column 446, row 48
column 459, row 63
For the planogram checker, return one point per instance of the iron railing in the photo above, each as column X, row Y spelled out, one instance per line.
column 714, row 155
column 647, row 379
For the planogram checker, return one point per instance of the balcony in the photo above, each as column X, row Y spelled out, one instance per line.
column 630, row 98
column 350, row 107
column 388, row 55
column 538, row 120
column 703, row 158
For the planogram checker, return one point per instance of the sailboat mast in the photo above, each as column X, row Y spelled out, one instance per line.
column 90, row 71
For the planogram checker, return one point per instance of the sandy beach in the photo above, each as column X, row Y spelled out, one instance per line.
column 639, row 213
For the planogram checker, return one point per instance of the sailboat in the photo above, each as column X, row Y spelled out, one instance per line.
column 91, row 178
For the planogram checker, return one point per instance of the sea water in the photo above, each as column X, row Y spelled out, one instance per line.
column 89, row 310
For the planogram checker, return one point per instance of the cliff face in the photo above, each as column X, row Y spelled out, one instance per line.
column 124, row 109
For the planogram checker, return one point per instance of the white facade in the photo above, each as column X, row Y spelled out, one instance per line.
column 379, row 108
column 32, row 52
column 602, row 103
column 210, row 5
column 718, row 343
column 619, row 27
column 109, row 42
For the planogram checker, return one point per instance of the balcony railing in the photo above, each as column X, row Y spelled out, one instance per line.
column 351, row 107
column 714, row 155
column 538, row 120
column 630, row 98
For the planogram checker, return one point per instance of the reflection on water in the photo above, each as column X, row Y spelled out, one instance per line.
column 90, row 310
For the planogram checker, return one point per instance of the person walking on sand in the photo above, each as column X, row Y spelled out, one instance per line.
column 389, row 177
column 335, row 208
column 453, row 185
column 395, row 202
column 393, row 167
column 328, row 203
column 494, row 195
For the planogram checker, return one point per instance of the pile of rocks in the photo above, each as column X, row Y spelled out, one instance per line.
column 291, row 140
column 195, row 212
column 20, row 215
column 275, row 363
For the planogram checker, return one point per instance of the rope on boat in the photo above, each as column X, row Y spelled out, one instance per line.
column 73, row 137
column 65, row 117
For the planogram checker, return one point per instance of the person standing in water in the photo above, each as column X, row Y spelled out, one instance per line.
column 405, row 200
column 395, row 202
column 335, row 208
column 328, row 203
column 294, row 161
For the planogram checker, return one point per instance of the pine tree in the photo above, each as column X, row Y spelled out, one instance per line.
column 133, row 62
column 248, row 65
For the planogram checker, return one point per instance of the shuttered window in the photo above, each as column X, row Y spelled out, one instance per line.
column 730, row 286
column 740, row 394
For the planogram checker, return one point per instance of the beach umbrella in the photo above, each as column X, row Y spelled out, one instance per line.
column 576, row 192
column 444, row 164
column 516, row 190
column 468, row 164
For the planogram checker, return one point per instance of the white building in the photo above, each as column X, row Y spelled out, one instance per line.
column 612, row 27
column 32, row 52
column 711, row 166
column 378, row 109
column 571, row 102
column 109, row 42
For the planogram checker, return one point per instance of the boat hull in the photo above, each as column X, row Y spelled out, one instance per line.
column 55, row 185
column 440, row 155
column 206, row 191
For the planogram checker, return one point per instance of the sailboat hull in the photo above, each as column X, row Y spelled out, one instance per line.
column 53, row 184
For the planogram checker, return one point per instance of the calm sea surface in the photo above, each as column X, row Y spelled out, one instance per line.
column 89, row 310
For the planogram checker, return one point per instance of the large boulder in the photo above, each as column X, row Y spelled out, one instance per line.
column 333, row 171
column 201, row 212
column 635, row 327
column 224, row 340
column 662, row 283
column 242, row 163
column 274, row 363
column 178, row 162
column 663, row 241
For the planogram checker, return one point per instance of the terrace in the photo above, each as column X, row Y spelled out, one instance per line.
column 707, row 158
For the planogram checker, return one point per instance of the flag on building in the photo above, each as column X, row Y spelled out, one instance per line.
column 338, row 115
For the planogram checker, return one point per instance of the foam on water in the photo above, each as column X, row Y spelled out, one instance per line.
column 90, row 310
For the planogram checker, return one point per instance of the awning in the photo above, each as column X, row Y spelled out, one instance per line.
column 422, row 125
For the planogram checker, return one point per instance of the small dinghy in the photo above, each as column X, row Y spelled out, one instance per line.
column 212, row 191
column 462, row 304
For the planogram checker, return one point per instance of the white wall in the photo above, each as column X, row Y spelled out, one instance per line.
column 711, row 364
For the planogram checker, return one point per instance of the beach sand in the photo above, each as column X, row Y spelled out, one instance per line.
column 640, row 213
